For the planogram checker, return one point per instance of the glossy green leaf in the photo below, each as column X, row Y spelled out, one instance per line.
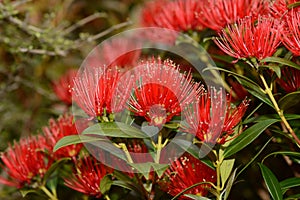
column 115, row 129
column 74, row 139
column 247, row 137
column 187, row 189
column 271, row 182
column 229, row 184
column 105, row 183
column 289, row 183
column 289, row 101
column 281, row 61
column 196, row 197
column 225, row 169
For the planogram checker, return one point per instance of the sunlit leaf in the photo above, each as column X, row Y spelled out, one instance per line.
column 289, row 183
column 281, row 61
column 225, row 169
column 247, row 137
column 115, row 129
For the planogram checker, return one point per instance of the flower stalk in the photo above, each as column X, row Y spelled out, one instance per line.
column 48, row 193
column 278, row 110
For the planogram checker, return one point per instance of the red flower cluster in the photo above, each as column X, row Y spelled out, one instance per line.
column 56, row 130
column 291, row 32
column 211, row 119
column 177, row 15
column 87, row 176
column 162, row 91
column 290, row 80
column 246, row 40
column 25, row 162
column 100, row 91
column 63, row 87
column 216, row 14
column 185, row 172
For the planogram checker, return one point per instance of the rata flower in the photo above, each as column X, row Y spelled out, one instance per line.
column 161, row 91
column 290, row 79
column 291, row 33
column 280, row 8
column 25, row 162
column 87, row 176
column 212, row 119
column 247, row 40
column 58, row 129
column 185, row 172
column 216, row 14
column 63, row 87
column 178, row 15
column 100, row 91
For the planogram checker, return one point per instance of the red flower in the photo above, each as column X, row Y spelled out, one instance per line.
column 246, row 40
column 291, row 33
column 161, row 91
column 99, row 92
column 87, row 176
column 290, row 79
column 177, row 15
column 63, row 86
column 25, row 161
column 216, row 14
column 185, row 172
column 205, row 118
column 64, row 126
column 279, row 8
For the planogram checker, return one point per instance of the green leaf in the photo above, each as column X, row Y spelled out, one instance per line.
column 127, row 185
column 25, row 192
column 75, row 139
column 289, row 101
column 143, row 168
column 225, row 169
column 271, row 182
column 105, row 184
column 275, row 68
column 115, row 129
column 289, row 183
column 196, row 197
column 53, row 167
column 272, row 116
column 254, row 158
column 247, row 137
column 281, row 61
column 255, row 90
column 229, row 184
column 160, row 168
column 293, row 197
column 286, row 153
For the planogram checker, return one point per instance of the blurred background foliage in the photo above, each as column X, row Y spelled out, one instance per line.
column 39, row 41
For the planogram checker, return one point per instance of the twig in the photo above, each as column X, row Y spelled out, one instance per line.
column 42, row 52
column 83, row 21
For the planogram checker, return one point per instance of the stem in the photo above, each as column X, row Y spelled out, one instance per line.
column 218, row 187
column 159, row 146
column 107, row 197
column 48, row 193
column 278, row 110
column 127, row 154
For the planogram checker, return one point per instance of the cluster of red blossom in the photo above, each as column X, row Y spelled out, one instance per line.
column 157, row 91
